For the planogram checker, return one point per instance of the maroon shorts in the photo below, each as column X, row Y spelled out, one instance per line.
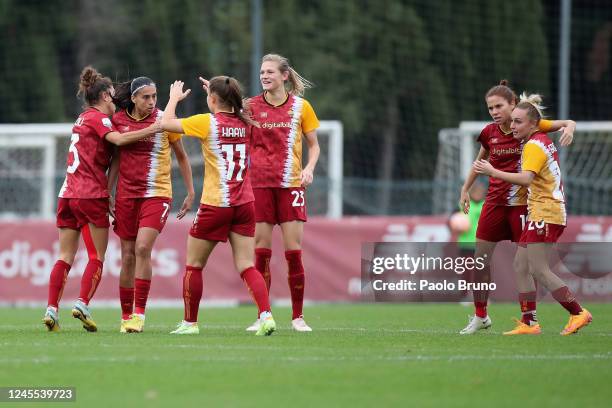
column 131, row 214
column 279, row 205
column 501, row 222
column 540, row 231
column 215, row 223
column 75, row 213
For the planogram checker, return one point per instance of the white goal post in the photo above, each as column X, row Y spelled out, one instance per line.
column 33, row 159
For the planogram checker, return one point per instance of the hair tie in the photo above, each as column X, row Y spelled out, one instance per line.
column 227, row 81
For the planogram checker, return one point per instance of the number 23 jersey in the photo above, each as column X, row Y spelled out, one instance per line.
column 277, row 144
column 225, row 147
column 88, row 157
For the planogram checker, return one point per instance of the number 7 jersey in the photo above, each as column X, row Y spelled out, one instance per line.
column 225, row 146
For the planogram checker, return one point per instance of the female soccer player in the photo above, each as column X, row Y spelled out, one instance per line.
column 546, row 220
column 505, row 209
column 144, row 194
column 83, row 202
column 279, row 181
column 226, row 208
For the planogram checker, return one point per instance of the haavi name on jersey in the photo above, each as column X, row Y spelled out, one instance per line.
column 239, row 132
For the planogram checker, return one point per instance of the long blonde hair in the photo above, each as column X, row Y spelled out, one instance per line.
column 297, row 83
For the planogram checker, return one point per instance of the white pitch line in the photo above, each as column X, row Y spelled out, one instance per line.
column 204, row 327
column 201, row 346
column 305, row 359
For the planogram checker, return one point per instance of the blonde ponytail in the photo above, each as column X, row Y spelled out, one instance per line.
column 297, row 84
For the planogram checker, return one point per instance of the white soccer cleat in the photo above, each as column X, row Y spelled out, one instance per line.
column 81, row 311
column 477, row 323
column 255, row 326
column 300, row 325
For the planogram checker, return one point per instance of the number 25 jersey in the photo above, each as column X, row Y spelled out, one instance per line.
column 88, row 157
column 225, row 147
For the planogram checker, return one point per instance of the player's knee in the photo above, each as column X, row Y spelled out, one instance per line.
column 143, row 250
column 537, row 273
column 128, row 261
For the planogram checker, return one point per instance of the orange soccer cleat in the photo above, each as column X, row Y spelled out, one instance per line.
column 522, row 328
column 577, row 322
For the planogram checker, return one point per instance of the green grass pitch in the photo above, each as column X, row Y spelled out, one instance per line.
column 358, row 355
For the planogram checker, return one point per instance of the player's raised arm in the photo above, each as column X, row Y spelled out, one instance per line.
column 169, row 121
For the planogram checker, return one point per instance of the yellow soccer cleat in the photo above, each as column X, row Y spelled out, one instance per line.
column 268, row 325
column 522, row 328
column 51, row 319
column 123, row 323
column 135, row 324
column 577, row 322
column 186, row 328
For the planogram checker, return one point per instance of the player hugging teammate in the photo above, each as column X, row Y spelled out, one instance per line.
column 83, row 204
column 235, row 148
column 546, row 217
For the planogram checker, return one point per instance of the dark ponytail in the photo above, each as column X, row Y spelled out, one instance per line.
column 229, row 92
column 122, row 96
column 125, row 90
column 92, row 84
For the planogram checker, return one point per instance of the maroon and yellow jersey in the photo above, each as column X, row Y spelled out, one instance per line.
column 226, row 146
column 276, row 157
column 505, row 155
column 88, row 157
column 546, row 201
column 144, row 166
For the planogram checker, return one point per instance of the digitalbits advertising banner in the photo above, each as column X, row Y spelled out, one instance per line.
column 335, row 255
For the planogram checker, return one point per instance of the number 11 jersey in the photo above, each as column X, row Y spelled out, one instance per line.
column 88, row 157
column 225, row 146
